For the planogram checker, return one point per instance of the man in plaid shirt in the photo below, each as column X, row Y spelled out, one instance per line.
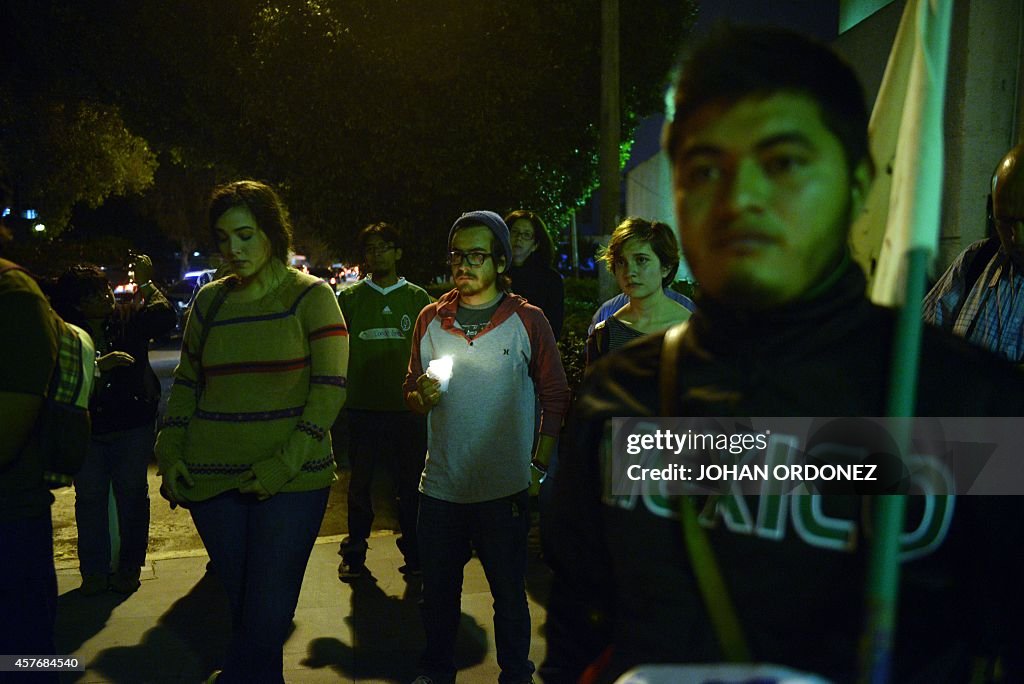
column 976, row 297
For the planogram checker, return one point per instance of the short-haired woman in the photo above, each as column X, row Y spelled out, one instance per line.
column 644, row 257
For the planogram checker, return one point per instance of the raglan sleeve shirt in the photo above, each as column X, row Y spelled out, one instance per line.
column 427, row 314
column 547, row 372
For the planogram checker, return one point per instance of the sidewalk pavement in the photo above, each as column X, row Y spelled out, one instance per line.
column 175, row 627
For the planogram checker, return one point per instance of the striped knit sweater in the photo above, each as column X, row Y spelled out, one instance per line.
column 274, row 374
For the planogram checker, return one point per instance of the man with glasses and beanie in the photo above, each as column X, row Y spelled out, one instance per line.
column 498, row 356
column 380, row 311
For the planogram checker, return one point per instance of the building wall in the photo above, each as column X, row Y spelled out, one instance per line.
column 981, row 106
column 982, row 92
column 981, row 102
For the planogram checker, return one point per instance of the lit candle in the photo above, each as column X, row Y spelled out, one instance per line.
column 441, row 370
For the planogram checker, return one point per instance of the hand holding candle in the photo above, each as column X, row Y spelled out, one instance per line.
column 441, row 370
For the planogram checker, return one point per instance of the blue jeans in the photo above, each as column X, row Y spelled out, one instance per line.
column 28, row 591
column 398, row 440
column 260, row 550
column 497, row 530
column 120, row 459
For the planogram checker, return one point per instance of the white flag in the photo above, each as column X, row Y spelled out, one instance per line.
column 906, row 137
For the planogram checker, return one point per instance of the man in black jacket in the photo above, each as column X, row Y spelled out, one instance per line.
column 123, row 409
column 770, row 162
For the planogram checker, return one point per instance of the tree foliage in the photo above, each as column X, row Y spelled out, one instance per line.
column 410, row 111
column 61, row 153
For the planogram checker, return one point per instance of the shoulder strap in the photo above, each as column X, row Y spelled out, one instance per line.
column 669, row 367
column 979, row 262
column 717, row 599
column 211, row 314
column 602, row 337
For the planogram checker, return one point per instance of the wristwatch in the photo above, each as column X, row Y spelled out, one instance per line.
column 540, row 468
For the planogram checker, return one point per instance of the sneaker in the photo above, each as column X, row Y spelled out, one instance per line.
column 349, row 570
column 423, row 679
column 349, row 546
column 411, row 570
column 126, row 580
column 93, row 585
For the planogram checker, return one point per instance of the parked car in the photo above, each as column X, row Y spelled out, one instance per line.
column 182, row 293
column 125, row 290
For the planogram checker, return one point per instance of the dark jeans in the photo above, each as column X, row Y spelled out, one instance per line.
column 260, row 550
column 120, row 459
column 497, row 530
column 28, row 592
column 398, row 440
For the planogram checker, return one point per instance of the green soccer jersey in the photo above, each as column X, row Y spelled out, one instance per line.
column 380, row 322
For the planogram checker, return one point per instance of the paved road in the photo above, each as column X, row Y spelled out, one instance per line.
column 174, row 629
column 172, row 532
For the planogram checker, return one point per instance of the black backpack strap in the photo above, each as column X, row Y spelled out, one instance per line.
column 208, row 318
column 717, row 600
column 669, row 372
column 978, row 263
column 597, row 343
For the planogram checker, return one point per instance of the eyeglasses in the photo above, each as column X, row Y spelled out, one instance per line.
column 525, row 236
column 456, row 257
column 377, row 250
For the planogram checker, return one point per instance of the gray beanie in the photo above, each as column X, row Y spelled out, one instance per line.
column 492, row 221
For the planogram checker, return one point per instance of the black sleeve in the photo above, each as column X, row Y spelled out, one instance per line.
column 555, row 307
column 157, row 317
column 578, row 626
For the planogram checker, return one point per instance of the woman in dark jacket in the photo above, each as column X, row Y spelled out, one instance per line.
column 533, row 274
column 123, row 410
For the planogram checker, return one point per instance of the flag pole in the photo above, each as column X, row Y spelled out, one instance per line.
column 882, row 593
column 914, row 147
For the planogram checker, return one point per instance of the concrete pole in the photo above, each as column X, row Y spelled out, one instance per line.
column 1018, row 114
column 609, row 152
column 574, row 250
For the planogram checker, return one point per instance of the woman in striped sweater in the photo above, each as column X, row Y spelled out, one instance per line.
column 245, row 443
